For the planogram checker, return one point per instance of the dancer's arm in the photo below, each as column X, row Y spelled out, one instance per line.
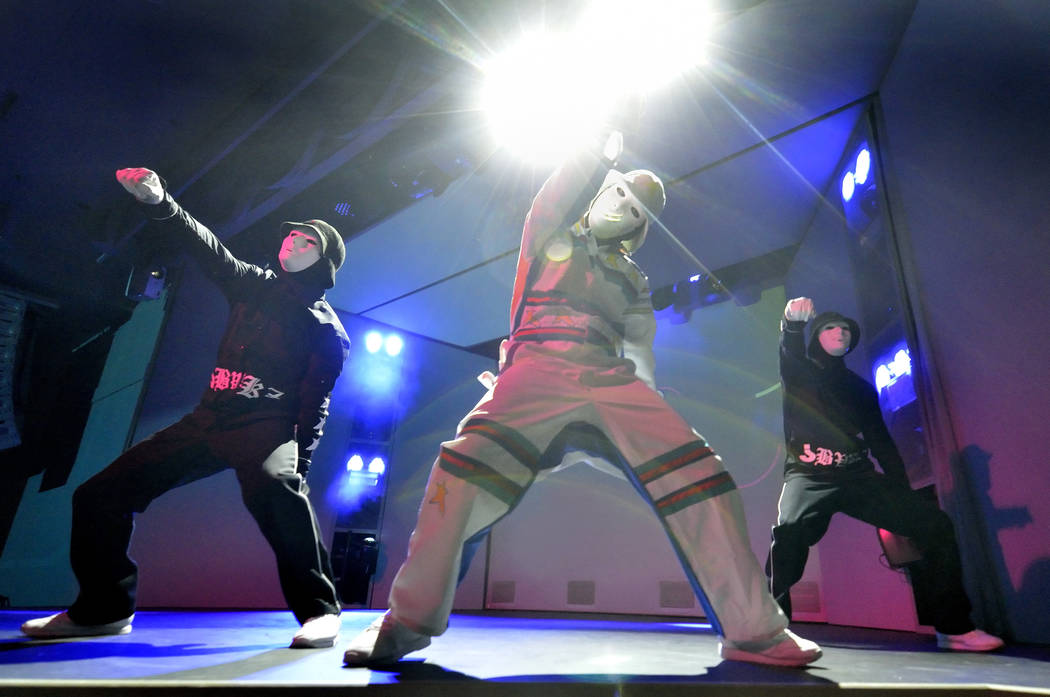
column 196, row 239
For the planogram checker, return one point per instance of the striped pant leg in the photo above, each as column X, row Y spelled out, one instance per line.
column 477, row 479
column 701, row 510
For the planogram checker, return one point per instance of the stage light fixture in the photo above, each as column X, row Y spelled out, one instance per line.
column 860, row 190
column 893, row 379
column 373, row 341
column 862, row 166
column 848, row 186
column 361, row 475
column 393, row 344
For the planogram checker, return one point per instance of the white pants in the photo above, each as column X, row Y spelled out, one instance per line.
column 503, row 443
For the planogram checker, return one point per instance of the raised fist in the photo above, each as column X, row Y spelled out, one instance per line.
column 142, row 183
column 799, row 310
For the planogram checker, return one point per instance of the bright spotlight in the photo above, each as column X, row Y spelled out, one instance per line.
column 550, row 94
column 655, row 41
column 355, row 464
column 377, row 466
column 863, row 166
column 848, row 183
column 532, row 97
column 393, row 344
column 373, row 341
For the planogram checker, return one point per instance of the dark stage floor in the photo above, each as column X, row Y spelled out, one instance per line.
column 232, row 653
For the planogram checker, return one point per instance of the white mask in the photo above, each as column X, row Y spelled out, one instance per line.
column 835, row 338
column 300, row 250
column 615, row 212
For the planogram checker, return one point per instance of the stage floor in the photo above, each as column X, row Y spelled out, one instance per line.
column 494, row 654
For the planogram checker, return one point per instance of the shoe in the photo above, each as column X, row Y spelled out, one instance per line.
column 317, row 632
column 784, row 649
column 59, row 626
column 973, row 640
column 384, row 641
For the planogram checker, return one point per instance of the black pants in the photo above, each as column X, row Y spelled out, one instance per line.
column 807, row 503
column 263, row 456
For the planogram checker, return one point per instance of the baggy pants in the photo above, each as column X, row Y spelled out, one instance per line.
column 807, row 504
column 502, row 445
column 263, row 456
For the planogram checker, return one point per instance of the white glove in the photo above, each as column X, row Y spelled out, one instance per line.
column 799, row 310
column 142, row 183
column 487, row 379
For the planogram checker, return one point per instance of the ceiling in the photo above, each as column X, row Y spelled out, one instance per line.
column 362, row 113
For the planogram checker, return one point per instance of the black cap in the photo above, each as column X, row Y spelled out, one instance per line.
column 824, row 318
column 332, row 247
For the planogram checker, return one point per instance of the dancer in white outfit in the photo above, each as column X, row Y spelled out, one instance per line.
column 579, row 362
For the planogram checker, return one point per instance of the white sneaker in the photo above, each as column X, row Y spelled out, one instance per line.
column 783, row 649
column 59, row 626
column 317, row 632
column 973, row 640
column 384, row 641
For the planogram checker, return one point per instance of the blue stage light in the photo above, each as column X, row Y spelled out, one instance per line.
column 373, row 341
column 883, row 378
column 848, row 183
column 863, row 166
column 361, row 475
column 893, row 379
column 393, row 344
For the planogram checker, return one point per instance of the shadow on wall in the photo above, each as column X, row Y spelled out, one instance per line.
column 973, row 467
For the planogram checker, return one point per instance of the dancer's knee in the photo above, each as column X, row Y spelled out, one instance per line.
column 259, row 490
column 793, row 536
column 937, row 530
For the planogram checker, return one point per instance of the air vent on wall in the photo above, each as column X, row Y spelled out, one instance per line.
column 580, row 593
column 677, row 594
column 502, row 592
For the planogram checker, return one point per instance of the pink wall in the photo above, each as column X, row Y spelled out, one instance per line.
column 966, row 107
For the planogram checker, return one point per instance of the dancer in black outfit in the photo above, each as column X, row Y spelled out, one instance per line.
column 261, row 415
column 832, row 421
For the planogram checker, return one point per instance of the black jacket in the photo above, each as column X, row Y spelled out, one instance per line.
column 283, row 347
column 831, row 415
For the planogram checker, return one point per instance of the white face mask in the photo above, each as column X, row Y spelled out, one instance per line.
column 300, row 250
column 835, row 338
column 615, row 211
